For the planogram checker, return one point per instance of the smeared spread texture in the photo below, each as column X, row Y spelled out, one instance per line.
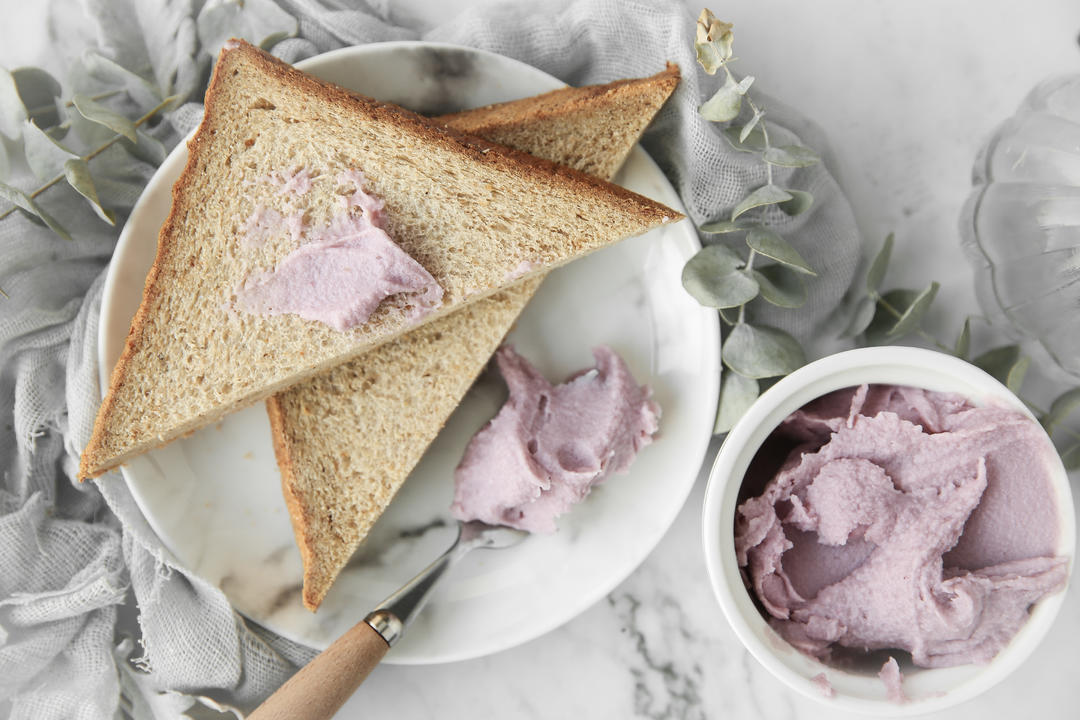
column 342, row 271
column 904, row 519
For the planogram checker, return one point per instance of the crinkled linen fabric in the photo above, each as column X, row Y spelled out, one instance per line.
column 75, row 558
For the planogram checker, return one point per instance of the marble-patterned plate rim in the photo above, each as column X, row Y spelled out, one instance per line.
column 214, row 498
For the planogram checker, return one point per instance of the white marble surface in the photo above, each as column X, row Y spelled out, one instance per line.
column 906, row 93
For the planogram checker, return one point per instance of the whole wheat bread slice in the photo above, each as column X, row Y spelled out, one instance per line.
column 347, row 439
column 471, row 212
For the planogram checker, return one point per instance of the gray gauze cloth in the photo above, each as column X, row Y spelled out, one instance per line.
column 78, row 560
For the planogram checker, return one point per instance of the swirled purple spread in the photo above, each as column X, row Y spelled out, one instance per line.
column 550, row 444
column 903, row 519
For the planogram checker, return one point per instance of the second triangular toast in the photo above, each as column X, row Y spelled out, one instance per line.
column 347, row 439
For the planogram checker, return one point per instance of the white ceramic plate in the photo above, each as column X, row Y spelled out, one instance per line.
column 214, row 498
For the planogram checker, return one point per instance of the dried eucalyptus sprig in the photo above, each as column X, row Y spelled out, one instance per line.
column 36, row 114
column 890, row 316
column 30, row 109
column 75, row 169
column 719, row 276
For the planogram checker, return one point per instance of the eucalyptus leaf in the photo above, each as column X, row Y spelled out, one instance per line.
column 5, row 162
column 77, row 173
column 148, row 148
column 883, row 321
column 800, row 202
column 90, row 134
column 145, row 94
column 781, row 286
column 715, row 34
column 999, row 362
column 712, row 278
column 759, row 351
column 45, row 156
column 12, row 110
column 1071, row 457
column 708, row 56
column 730, row 316
column 26, row 203
column 764, row 195
column 911, row 317
column 726, row 102
column 772, row 245
column 723, row 255
column 765, row 383
column 752, row 143
column 750, row 125
column 38, row 91
column 102, row 115
column 860, row 319
column 737, row 394
column 1015, row 379
column 879, row 266
column 57, row 133
column 725, row 41
column 18, row 198
column 1063, row 406
column 793, row 156
column 963, row 341
column 723, row 226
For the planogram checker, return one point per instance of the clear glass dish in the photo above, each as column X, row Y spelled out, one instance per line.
column 1021, row 224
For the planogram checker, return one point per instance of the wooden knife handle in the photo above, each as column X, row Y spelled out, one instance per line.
column 324, row 684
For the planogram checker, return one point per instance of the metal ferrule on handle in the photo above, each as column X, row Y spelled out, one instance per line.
column 394, row 614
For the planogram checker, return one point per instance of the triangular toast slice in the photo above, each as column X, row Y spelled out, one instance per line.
column 476, row 216
column 384, row 408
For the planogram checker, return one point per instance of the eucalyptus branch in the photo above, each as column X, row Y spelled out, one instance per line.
column 719, row 276
column 92, row 154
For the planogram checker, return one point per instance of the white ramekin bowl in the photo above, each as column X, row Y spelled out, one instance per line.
column 928, row 690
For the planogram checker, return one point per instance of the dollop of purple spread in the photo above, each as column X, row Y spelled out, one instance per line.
column 550, row 444
column 903, row 519
column 893, row 680
column 821, row 681
column 343, row 271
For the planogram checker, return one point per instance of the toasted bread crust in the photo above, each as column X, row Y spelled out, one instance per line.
column 483, row 120
column 298, row 512
column 99, row 456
